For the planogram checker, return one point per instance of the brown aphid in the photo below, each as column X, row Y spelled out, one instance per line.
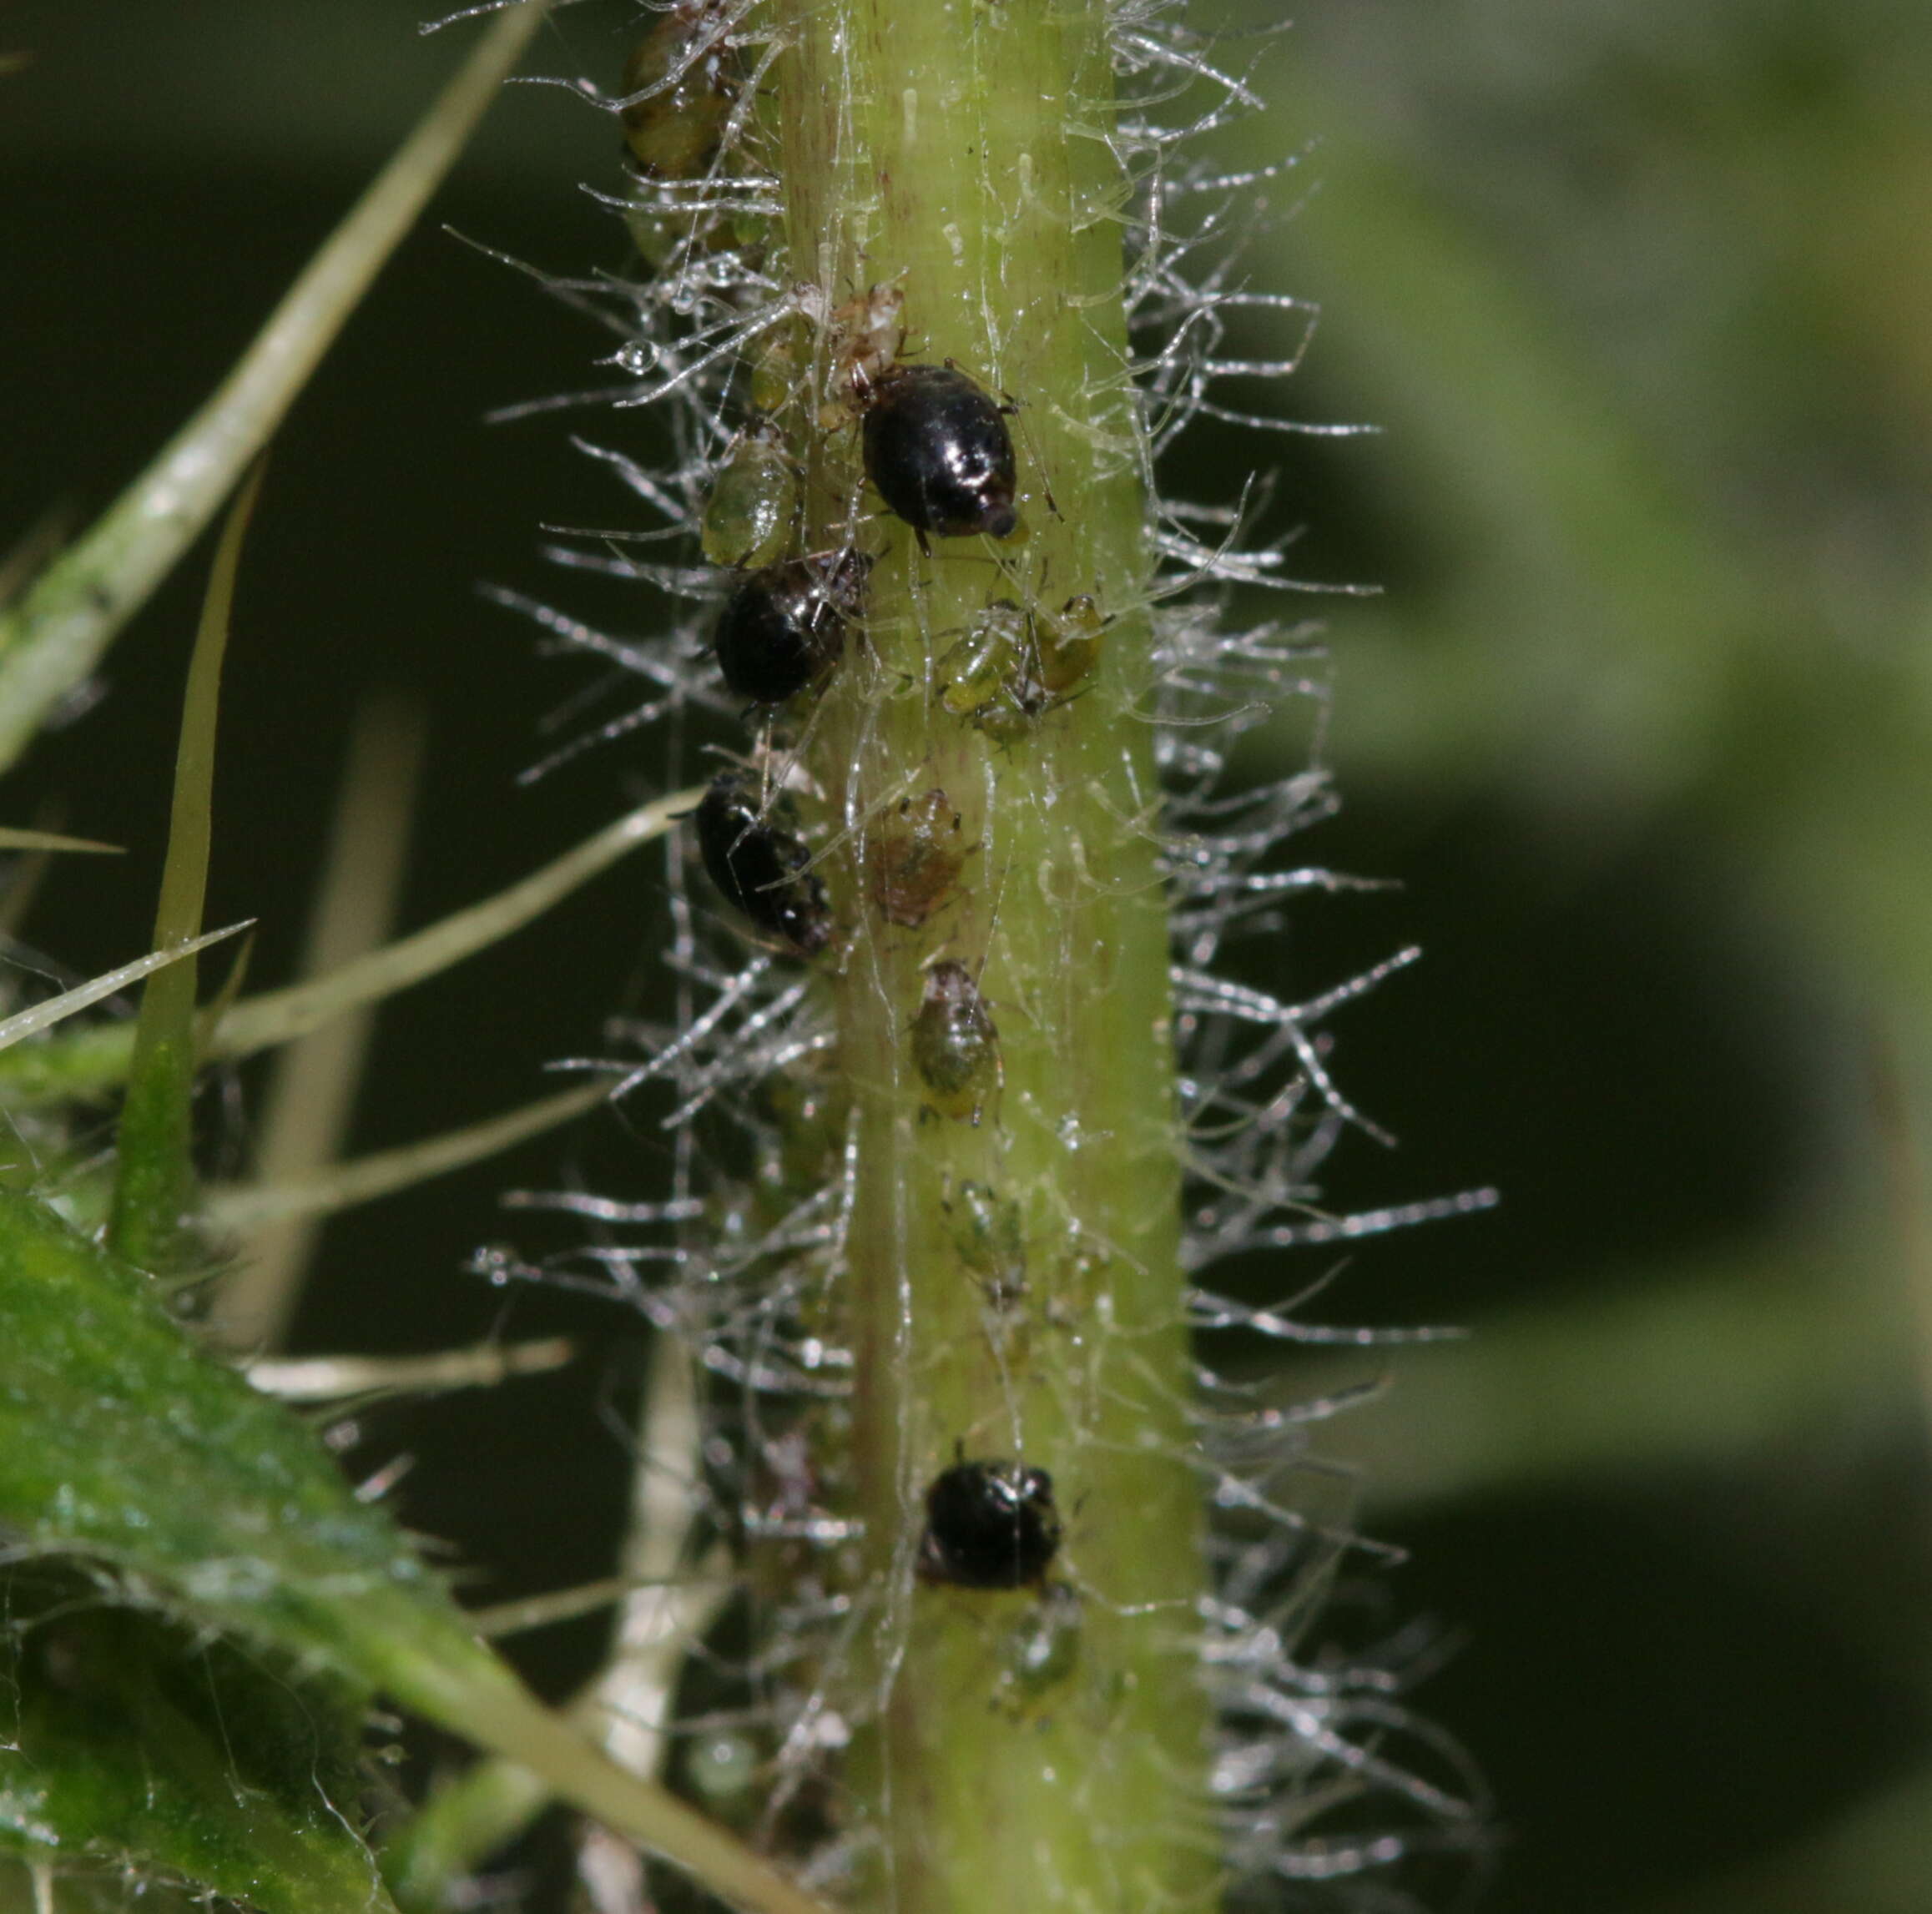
column 689, row 75
column 863, row 341
column 915, row 861
column 955, row 1046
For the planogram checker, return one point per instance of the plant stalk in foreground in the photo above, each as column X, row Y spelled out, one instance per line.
column 1012, row 1286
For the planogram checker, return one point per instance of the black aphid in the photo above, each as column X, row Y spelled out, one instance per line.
column 784, row 625
column 760, row 867
column 938, row 450
column 989, row 1525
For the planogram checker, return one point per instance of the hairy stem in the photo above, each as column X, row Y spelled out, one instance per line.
column 1013, row 1277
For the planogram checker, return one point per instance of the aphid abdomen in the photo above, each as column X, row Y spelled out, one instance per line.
column 674, row 131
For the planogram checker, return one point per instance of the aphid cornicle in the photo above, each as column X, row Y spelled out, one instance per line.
column 989, row 1525
column 689, row 75
column 761, row 867
column 938, row 452
column 784, row 625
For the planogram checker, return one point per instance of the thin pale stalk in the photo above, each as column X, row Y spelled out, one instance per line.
column 63, row 624
column 311, row 1094
column 154, row 1175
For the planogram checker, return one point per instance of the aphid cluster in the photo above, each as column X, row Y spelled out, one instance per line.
column 765, row 370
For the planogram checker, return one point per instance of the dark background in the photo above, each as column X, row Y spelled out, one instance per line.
column 1640, row 297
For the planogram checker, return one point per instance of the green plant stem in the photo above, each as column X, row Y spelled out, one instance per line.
column 958, row 152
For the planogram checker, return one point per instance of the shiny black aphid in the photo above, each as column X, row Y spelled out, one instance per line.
column 989, row 1525
column 761, row 868
column 938, row 450
column 785, row 625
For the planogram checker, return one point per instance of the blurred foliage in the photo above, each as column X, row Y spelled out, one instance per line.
column 1637, row 295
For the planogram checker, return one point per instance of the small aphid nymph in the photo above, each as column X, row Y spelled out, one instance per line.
column 783, row 628
column 989, row 1525
column 762, row 869
column 938, row 452
column 1066, row 643
column 748, row 520
column 913, row 863
column 988, row 677
column 955, row 1046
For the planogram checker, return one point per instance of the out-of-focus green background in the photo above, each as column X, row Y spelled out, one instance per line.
column 1641, row 296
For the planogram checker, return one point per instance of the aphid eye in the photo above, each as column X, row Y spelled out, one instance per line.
column 955, row 1046
column 989, row 1525
column 673, row 133
column 784, row 626
column 761, row 868
column 938, row 452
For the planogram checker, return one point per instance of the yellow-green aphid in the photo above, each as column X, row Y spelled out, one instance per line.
column 972, row 672
column 989, row 676
column 989, row 1239
column 775, row 368
column 750, row 517
column 1066, row 643
column 689, row 77
column 955, row 1047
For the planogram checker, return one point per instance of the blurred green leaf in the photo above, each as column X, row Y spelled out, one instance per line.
column 96, row 1059
column 134, row 1748
column 122, row 1446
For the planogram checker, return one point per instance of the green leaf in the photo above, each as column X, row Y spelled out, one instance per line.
column 120, row 1443
column 121, row 1446
column 134, row 1748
